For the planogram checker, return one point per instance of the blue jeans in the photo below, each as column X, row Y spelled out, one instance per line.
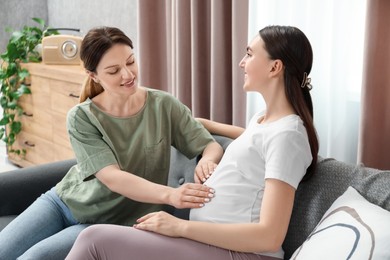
column 45, row 230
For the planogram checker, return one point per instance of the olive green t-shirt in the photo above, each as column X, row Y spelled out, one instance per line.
column 139, row 144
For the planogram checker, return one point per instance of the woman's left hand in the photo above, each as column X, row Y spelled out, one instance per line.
column 203, row 170
column 162, row 223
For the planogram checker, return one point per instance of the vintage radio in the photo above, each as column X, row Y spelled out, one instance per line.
column 61, row 49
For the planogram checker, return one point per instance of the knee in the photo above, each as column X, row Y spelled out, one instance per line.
column 86, row 244
column 92, row 235
column 96, row 235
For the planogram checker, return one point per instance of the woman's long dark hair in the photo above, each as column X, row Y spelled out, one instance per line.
column 291, row 46
column 94, row 45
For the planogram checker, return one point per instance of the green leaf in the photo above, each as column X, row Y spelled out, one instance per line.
column 20, row 48
column 23, row 73
column 40, row 21
column 23, row 89
column 4, row 121
column 12, row 52
column 12, row 105
column 2, row 132
column 16, row 36
column 3, row 102
column 16, row 127
column 11, row 138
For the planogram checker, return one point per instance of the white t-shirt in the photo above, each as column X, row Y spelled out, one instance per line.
column 278, row 150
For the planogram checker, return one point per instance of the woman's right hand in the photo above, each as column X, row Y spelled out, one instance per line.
column 191, row 195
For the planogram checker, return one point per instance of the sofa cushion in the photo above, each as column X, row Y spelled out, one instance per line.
column 352, row 228
column 374, row 185
column 5, row 220
column 19, row 188
column 315, row 196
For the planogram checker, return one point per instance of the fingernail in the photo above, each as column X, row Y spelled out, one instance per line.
column 207, row 176
column 203, row 179
column 206, row 199
column 201, row 205
column 211, row 195
column 212, row 190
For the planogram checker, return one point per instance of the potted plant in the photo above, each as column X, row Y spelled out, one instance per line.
column 21, row 48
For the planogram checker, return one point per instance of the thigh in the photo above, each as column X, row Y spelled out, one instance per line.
column 118, row 242
column 56, row 246
column 40, row 220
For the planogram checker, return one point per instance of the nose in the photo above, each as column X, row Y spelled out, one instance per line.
column 127, row 73
column 242, row 63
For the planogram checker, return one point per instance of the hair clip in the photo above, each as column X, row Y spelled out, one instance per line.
column 306, row 82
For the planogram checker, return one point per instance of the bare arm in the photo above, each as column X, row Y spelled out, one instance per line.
column 211, row 156
column 267, row 235
column 189, row 195
column 213, row 127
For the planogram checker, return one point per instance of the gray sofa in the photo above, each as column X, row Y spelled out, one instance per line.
column 19, row 188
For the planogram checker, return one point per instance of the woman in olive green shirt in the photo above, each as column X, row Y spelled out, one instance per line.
column 121, row 134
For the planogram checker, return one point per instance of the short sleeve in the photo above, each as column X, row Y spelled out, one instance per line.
column 288, row 156
column 189, row 136
column 91, row 150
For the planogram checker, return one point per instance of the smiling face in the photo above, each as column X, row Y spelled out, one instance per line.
column 257, row 65
column 117, row 71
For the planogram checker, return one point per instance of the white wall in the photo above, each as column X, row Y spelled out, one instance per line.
column 17, row 13
column 78, row 14
column 86, row 14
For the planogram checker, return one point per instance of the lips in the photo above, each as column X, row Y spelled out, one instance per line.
column 128, row 83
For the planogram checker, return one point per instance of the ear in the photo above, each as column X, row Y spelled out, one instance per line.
column 92, row 75
column 277, row 67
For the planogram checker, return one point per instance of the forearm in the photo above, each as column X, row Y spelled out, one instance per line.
column 217, row 128
column 188, row 195
column 213, row 152
column 249, row 237
column 134, row 187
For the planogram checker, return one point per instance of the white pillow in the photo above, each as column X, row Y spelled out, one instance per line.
column 352, row 228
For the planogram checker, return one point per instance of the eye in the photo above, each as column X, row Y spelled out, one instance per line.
column 248, row 54
column 113, row 72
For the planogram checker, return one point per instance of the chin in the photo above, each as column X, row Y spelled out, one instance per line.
column 246, row 88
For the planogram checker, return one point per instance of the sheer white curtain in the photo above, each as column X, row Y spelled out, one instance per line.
column 336, row 30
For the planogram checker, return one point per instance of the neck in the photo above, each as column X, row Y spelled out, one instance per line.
column 277, row 105
column 121, row 106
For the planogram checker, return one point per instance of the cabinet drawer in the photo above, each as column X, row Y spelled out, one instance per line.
column 55, row 90
column 35, row 114
column 38, row 150
column 64, row 96
column 63, row 153
column 31, row 125
column 60, row 133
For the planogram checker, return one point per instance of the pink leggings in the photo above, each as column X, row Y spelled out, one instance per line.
column 113, row 242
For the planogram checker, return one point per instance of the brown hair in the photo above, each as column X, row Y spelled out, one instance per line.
column 291, row 46
column 94, row 45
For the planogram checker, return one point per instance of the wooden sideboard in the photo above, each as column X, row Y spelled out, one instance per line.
column 54, row 90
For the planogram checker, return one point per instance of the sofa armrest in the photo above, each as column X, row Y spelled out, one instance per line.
column 19, row 188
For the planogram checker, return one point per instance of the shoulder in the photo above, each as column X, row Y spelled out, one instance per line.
column 79, row 113
column 80, row 108
column 160, row 94
column 163, row 98
column 287, row 133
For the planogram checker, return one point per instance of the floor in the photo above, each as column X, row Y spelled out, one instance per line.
column 5, row 165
